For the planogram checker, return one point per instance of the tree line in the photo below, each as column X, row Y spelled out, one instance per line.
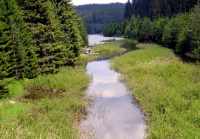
column 37, row 37
column 174, row 26
column 157, row 8
column 96, row 16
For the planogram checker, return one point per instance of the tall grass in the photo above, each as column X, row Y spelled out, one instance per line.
column 167, row 89
column 110, row 49
column 50, row 116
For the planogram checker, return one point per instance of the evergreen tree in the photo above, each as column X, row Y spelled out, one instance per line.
column 17, row 56
column 44, row 24
column 128, row 10
column 195, row 32
column 71, row 26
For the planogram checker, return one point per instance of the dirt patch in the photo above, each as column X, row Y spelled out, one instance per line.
column 39, row 92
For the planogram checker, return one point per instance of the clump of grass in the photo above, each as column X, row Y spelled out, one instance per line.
column 57, row 106
column 111, row 49
column 167, row 89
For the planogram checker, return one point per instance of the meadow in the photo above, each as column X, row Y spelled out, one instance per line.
column 47, row 107
column 166, row 88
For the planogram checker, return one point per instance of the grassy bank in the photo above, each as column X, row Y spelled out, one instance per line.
column 167, row 89
column 46, row 107
column 109, row 50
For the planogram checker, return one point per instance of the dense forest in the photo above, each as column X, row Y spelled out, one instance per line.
column 96, row 16
column 172, row 23
column 36, row 37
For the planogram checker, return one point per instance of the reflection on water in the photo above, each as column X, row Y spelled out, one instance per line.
column 95, row 39
column 113, row 114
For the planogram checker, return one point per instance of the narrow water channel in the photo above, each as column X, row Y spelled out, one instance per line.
column 113, row 114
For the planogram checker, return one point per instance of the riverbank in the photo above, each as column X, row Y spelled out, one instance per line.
column 166, row 88
column 109, row 50
column 46, row 107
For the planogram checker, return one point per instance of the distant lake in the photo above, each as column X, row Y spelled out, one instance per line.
column 95, row 39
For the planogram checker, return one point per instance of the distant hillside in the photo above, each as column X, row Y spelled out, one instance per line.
column 97, row 16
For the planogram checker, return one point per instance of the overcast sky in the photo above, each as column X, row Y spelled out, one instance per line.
column 81, row 2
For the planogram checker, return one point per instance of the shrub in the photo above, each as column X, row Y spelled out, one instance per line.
column 113, row 29
column 195, row 32
column 158, row 26
column 183, row 43
column 132, row 28
column 145, row 32
column 3, row 89
column 170, row 33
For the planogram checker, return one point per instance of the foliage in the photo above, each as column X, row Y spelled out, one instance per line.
column 166, row 88
column 38, row 36
column 180, row 32
column 195, row 32
column 132, row 28
column 158, row 29
column 97, row 16
column 17, row 54
column 146, row 30
column 112, row 49
column 128, row 10
column 157, row 8
column 113, row 29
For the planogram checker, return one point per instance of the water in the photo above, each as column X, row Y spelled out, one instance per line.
column 113, row 114
column 95, row 39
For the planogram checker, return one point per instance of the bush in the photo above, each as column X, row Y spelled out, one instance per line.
column 132, row 28
column 145, row 32
column 3, row 89
column 170, row 33
column 113, row 29
column 184, row 42
column 195, row 32
column 158, row 25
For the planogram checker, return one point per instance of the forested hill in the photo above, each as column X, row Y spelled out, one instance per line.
column 172, row 23
column 97, row 15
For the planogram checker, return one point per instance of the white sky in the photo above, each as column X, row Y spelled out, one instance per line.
column 81, row 2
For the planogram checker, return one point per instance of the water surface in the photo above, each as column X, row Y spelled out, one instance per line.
column 95, row 39
column 113, row 114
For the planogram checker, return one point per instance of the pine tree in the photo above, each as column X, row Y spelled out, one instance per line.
column 195, row 32
column 44, row 24
column 128, row 10
column 17, row 56
column 70, row 23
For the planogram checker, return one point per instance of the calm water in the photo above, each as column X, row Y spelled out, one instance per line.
column 112, row 114
column 95, row 39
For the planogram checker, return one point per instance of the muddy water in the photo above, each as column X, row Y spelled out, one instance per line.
column 113, row 113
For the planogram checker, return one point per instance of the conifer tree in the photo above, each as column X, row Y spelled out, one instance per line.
column 70, row 23
column 41, row 17
column 17, row 56
column 128, row 10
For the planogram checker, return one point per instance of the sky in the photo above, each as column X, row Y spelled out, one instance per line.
column 81, row 2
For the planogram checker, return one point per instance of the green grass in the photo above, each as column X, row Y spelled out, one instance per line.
column 109, row 50
column 167, row 89
column 53, row 114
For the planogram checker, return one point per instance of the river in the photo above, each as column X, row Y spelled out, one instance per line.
column 113, row 113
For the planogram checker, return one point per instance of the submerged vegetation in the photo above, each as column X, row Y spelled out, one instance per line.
column 166, row 88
